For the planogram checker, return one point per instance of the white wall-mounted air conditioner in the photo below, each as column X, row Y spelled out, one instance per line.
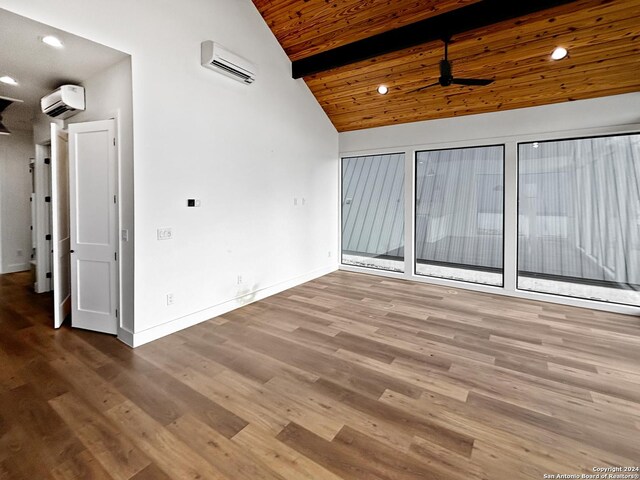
column 65, row 102
column 216, row 57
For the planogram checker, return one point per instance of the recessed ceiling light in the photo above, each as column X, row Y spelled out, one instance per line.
column 52, row 41
column 536, row 144
column 559, row 53
column 8, row 80
column 382, row 90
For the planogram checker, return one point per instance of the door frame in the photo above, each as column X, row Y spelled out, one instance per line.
column 62, row 306
column 43, row 225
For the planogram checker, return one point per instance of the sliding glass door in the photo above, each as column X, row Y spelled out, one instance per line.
column 579, row 218
column 459, row 214
column 373, row 211
column 574, row 232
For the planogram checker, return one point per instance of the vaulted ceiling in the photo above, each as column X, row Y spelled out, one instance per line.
column 602, row 37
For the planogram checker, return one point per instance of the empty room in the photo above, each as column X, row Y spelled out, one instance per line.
column 319, row 239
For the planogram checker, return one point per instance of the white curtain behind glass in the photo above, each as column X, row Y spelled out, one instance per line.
column 579, row 211
column 459, row 207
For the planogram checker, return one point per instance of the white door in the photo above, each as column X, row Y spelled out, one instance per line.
column 94, row 227
column 60, row 224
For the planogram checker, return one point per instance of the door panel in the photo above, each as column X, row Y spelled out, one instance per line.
column 60, row 221
column 93, row 176
column 95, row 294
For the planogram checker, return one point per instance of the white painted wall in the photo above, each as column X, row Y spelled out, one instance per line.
column 543, row 120
column 108, row 95
column 15, row 208
column 244, row 151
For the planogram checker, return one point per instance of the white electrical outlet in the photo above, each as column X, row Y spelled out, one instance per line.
column 295, row 201
column 165, row 233
column 329, row 255
column 170, row 299
column 239, row 279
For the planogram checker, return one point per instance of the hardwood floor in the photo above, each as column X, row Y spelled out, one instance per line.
column 346, row 377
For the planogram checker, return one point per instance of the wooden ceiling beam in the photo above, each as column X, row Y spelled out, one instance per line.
column 470, row 17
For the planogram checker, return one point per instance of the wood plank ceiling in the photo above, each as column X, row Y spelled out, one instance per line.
column 602, row 37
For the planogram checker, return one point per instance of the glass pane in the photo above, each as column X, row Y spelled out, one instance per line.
column 459, row 214
column 579, row 218
column 373, row 211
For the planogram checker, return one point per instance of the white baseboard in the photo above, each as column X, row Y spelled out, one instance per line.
column 140, row 338
column 16, row 267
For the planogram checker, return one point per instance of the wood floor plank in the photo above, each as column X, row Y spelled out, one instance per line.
column 353, row 455
column 286, row 407
column 114, row 451
column 152, row 472
column 372, row 425
column 161, row 446
column 238, row 402
column 349, row 376
column 80, row 467
column 437, row 433
column 230, row 458
column 281, row 458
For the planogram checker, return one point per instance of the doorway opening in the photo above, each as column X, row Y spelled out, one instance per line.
column 66, row 218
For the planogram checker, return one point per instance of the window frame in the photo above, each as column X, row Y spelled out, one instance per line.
column 373, row 269
column 415, row 215
column 517, row 274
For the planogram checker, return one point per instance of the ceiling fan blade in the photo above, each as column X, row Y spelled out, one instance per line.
column 471, row 81
column 425, row 87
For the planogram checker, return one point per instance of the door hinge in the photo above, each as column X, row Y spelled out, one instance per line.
column 47, row 236
column 115, row 256
column 47, row 199
column 116, row 313
column 114, row 141
column 47, row 161
column 114, row 199
column 48, row 274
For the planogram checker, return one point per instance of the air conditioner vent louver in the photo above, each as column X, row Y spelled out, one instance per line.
column 54, row 112
column 216, row 57
column 235, row 72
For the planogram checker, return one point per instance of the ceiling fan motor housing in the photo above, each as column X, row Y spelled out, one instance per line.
column 445, row 73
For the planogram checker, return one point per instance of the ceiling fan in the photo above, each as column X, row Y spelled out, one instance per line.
column 446, row 74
